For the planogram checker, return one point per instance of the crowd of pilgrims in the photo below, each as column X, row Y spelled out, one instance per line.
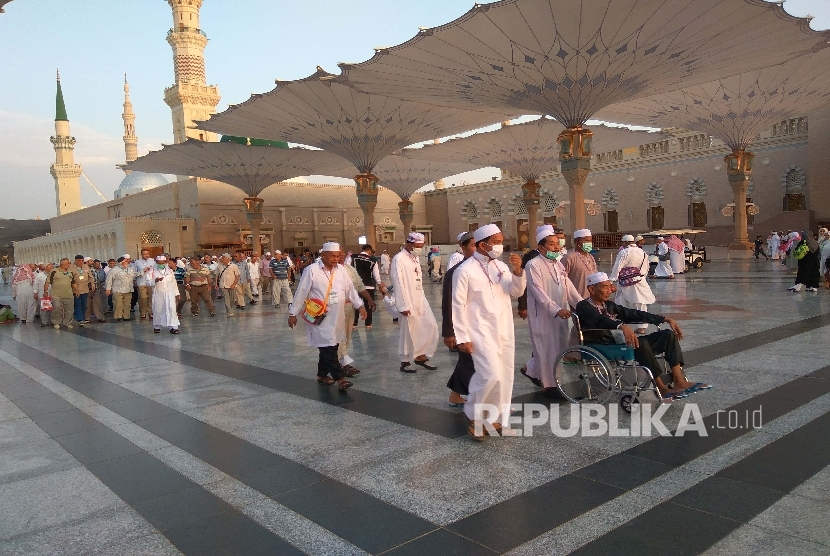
column 331, row 291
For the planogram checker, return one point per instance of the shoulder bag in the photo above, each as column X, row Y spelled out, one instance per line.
column 630, row 275
column 314, row 310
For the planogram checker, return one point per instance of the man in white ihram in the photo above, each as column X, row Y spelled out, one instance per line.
column 637, row 295
column 457, row 257
column 663, row 269
column 418, row 328
column 482, row 316
column 165, row 296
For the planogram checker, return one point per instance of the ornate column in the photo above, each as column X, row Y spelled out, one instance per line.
column 531, row 199
column 575, row 159
column 406, row 212
column 253, row 210
column 739, row 171
column 367, row 198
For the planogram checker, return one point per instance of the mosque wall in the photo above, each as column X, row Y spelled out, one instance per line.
column 818, row 180
column 677, row 166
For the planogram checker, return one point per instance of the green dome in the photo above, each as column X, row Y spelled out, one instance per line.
column 253, row 142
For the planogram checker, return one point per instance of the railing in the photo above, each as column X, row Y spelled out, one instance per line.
column 187, row 30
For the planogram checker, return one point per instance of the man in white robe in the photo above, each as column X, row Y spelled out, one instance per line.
column 482, row 315
column 418, row 336
column 384, row 262
column 318, row 278
column 550, row 297
column 773, row 243
column 663, row 269
column 165, row 295
column 635, row 296
column 677, row 254
column 457, row 256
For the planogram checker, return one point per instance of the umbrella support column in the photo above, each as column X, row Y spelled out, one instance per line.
column 575, row 160
column 406, row 212
column 253, row 211
column 739, row 171
column 367, row 198
column 531, row 199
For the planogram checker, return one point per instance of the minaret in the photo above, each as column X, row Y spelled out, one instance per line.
column 190, row 98
column 130, row 139
column 67, row 174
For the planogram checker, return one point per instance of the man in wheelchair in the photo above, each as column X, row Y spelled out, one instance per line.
column 598, row 317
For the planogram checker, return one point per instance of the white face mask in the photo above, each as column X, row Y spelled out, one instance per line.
column 561, row 242
column 495, row 251
column 417, row 251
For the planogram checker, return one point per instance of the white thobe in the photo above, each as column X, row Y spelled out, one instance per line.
column 384, row 263
column 663, row 269
column 824, row 253
column 24, row 292
column 313, row 285
column 678, row 262
column 636, row 294
column 454, row 259
column 482, row 313
column 164, row 297
column 773, row 244
column 418, row 330
column 548, row 291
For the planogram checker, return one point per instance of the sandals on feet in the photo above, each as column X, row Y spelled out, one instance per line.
column 425, row 365
column 535, row 381
column 405, row 368
column 344, row 385
column 325, row 380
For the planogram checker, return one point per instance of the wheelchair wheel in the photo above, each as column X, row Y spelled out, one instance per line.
column 583, row 375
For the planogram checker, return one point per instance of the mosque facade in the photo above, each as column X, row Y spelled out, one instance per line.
column 676, row 181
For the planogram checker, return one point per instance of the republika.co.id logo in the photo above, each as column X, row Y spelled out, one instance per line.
column 599, row 420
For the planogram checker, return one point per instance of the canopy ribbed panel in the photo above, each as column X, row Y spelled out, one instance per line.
column 249, row 168
column 405, row 175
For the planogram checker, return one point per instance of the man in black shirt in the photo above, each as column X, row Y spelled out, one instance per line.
column 459, row 383
column 759, row 248
column 598, row 316
column 369, row 274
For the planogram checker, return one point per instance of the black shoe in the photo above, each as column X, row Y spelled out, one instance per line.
column 213, row 314
column 156, row 330
column 425, row 365
column 535, row 381
column 174, row 330
column 405, row 368
column 253, row 302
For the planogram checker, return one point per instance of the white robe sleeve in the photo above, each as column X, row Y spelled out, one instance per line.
column 460, row 285
column 615, row 270
column 403, row 295
column 517, row 285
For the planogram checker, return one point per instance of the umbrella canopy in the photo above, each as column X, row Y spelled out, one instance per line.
column 527, row 150
column 249, row 168
column 737, row 108
column 405, row 175
column 569, row 59
column 326, row 112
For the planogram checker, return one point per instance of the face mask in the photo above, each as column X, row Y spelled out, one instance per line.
column 587, row 246
column 161, row 266
column 561, row 242
column 553, row 255
column 495, row 251
column 417, row 251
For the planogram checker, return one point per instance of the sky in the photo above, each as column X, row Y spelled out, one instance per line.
column 252, row 43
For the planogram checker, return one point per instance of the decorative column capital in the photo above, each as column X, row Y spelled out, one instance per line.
column 253, row 207
column 531, row 193
column 739, row 163
column 367, row 188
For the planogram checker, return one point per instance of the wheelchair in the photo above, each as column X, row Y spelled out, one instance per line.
column 602, row 373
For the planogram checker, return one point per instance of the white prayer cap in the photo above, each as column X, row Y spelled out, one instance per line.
column 228, row 255
column 460, row 237
column 544, row 231
column 330, row 246
column 126, row 256
column 639, row 238
column 180, row 264
column 822, row 230
column 277, row 252
column 597, row 278
column 415, row 237
column 584, row 232
column 161, row 258
column 87, row 259
column 628, row 238
column 268, row 253
column 661, row 238
column 486, row 231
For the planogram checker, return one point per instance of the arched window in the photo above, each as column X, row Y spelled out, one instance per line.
column 696, row 188
column 469, row 211
column 151, row 237
column 494, row 208
column 794, row 179
column 654, row 194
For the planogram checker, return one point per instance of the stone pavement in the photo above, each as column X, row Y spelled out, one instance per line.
column 114, row 440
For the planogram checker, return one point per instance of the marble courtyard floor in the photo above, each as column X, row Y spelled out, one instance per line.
column 114, row 440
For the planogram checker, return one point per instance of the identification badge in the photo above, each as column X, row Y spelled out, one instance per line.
column 332, row 298
column 418, row 284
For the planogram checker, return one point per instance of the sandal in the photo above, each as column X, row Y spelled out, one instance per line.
column 325, row 380
column 535, row 381
column 471, row 430
column 425, row 365
column 343, row 385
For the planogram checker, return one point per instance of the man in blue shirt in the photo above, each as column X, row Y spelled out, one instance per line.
column 281, row 278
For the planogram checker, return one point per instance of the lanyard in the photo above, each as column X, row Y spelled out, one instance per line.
column 554, row 275
column 416, row 261
column 486, row 273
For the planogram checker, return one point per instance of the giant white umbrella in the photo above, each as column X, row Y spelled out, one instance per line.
column 249, row 168
column 736, row 109
column 325, row 111
column 570, row 59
